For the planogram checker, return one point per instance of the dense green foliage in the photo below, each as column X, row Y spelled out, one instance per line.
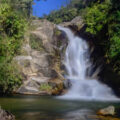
column 105, row 18
column 23, row 7
column 63, row 15
column 96, row 17
column 12, row 28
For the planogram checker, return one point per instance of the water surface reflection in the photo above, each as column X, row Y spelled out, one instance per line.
column 50, row 108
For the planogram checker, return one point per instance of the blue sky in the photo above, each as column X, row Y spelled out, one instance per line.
column 45, row 7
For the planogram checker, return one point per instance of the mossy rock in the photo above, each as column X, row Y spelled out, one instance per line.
column 45, row 87
column 23, row 52
column 36, row 42
column 57, row 32
column 54, row 89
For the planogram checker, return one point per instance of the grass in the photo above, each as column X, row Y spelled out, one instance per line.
column 45, row 87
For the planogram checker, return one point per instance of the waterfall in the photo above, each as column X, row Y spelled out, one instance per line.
column 77, row 62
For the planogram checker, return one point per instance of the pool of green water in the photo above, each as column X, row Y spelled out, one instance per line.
column 50, row 108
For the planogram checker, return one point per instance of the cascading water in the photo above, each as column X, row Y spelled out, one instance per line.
column 77, row 61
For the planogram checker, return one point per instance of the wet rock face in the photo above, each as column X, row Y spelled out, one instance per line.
column 41, row 65
column 5, row 115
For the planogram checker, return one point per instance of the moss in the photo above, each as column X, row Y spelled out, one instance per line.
column 45, row 87
column 57, row 32
column 23, row 52
column 36, row 43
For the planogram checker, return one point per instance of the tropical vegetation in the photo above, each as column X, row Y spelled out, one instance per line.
column 13, row 24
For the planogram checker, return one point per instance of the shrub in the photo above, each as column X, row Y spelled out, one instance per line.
column 10, row 77
column 106, row 15
column 45, row 87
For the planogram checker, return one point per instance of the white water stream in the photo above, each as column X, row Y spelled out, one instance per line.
column 77, row 61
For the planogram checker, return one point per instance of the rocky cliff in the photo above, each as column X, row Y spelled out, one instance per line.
column 41, row 59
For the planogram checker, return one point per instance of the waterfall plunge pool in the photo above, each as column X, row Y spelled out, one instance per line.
column 50, row 108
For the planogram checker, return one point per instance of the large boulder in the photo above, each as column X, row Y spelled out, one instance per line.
column 5, row 115
column 107, row 111
column 77, row 23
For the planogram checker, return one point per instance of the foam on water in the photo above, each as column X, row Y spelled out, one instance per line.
column 77, row 62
